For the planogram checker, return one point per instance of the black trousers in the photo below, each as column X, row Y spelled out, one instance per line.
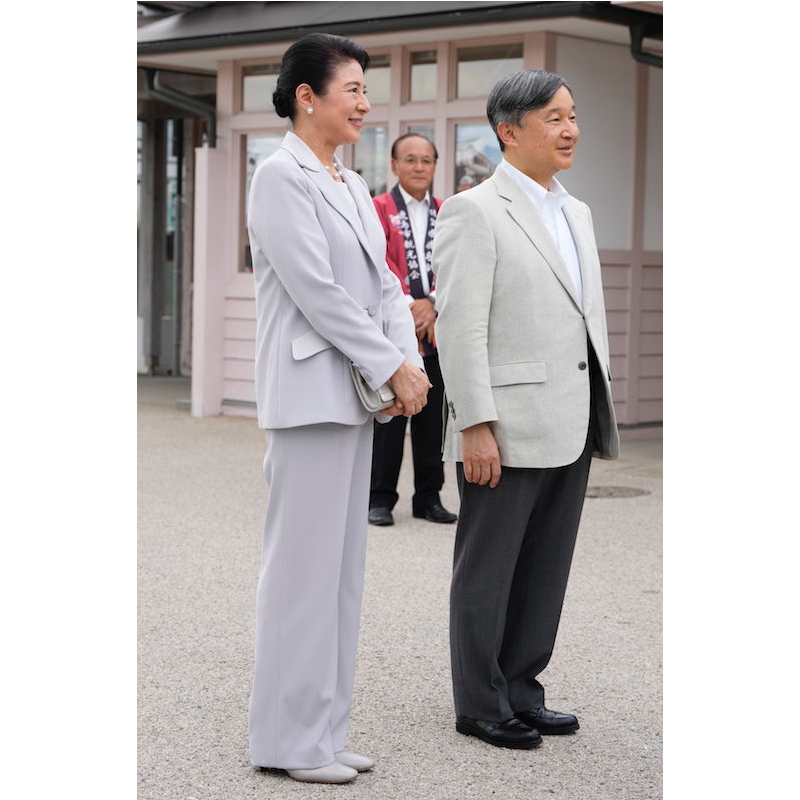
column 426, row 446
column 512, row 556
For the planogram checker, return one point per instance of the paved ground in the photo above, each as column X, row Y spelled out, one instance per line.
column 201, row 502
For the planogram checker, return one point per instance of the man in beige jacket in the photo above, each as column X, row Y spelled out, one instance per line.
column 524, row 354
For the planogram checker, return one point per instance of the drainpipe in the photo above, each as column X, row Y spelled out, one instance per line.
column 639, row 32
column 157, row 90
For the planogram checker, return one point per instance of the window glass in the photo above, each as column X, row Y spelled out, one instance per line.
column 477, row 154
column 258, row 84
column 139, row 147
column 258, row 146
column 423, row 75
column 377, row 79
column 425, row 129
column 654, row 177
column 371, row 158
column 174, row 129
column 479, row 68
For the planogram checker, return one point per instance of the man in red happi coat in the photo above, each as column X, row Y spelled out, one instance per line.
column 408, row 215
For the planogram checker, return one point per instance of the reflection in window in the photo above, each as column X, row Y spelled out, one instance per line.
column 477, row 154
column 479, row 68
column 258, row 84
column 423, row 75
column 372, row 158
column 175, row 164
column 258, row 147
column 377, row 79
column 425, row 129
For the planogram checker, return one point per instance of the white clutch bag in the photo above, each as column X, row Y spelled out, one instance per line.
column 373, row 400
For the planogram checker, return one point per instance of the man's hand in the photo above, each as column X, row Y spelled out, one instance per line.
column 411, row 386
column 481, row 456
column 424, row 316
column 428, row 333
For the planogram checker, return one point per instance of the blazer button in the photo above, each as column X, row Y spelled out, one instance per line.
column 452, row 409
column 582, row 365
column 372, row 310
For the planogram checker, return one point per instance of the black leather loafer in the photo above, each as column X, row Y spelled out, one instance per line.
column 380, row 516
column 435, row 513
column 509, row 733
column 549, row 722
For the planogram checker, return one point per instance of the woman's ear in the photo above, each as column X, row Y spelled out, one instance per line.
column 304, row 95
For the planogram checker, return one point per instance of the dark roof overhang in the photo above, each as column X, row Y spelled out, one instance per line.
column 215, row 25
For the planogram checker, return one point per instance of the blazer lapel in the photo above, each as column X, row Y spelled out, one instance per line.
column 309, row 162
column 583, row 236
column 370, row 233
column 530, row 220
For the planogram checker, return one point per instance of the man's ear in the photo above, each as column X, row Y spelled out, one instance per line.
column 507, row 133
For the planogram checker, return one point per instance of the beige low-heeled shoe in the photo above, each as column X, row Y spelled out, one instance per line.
column 354, row 760
column 335, row 772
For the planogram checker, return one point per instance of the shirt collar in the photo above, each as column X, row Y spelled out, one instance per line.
column 409, row 199
column 534, row 190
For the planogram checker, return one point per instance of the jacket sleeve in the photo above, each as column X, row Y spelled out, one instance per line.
column 464, row 262
column 283, row 221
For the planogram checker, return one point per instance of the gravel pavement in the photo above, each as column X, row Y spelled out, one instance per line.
column 201, row 505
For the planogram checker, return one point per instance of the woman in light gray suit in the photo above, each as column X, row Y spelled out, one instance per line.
column 324, row 298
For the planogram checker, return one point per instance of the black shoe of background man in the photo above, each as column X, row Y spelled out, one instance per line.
column 380, row 516
column 435, row 512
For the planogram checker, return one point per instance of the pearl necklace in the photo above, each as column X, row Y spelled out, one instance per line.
column 335, row 174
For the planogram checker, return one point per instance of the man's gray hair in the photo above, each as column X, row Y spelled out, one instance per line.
column 515, row 95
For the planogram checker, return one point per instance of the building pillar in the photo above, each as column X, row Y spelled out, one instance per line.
column 211, row 203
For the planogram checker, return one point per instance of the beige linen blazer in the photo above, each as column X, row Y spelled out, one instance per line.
column 324, row 293
column 512, row 336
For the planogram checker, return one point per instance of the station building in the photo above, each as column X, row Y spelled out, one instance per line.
column 205, row 121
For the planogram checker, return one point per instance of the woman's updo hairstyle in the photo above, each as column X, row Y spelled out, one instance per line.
column 313, row 60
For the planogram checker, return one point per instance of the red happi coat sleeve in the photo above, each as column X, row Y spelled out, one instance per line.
column 395, row 247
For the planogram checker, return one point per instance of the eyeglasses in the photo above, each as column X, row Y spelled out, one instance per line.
column 426, row 161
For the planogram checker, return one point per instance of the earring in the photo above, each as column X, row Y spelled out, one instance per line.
column 309, row 110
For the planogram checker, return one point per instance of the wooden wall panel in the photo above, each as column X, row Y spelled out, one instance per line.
column 240, row 391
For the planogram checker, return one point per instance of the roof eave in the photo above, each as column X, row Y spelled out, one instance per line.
column 604, row 12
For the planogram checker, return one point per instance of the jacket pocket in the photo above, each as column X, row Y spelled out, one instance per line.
column 309, row 344
column 518, row 372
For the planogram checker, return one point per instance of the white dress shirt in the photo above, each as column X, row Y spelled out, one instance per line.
column 550, row 204
column 418, row 211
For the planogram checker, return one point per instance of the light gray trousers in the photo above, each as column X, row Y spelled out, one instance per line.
column 308, row 600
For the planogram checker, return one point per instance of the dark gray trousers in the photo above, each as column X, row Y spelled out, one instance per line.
column 512, row 556
column 513, row 552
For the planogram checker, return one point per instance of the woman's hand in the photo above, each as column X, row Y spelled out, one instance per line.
column 411, row 386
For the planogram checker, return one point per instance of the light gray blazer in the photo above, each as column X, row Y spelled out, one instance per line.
column 512, row 337
column 324, row 294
